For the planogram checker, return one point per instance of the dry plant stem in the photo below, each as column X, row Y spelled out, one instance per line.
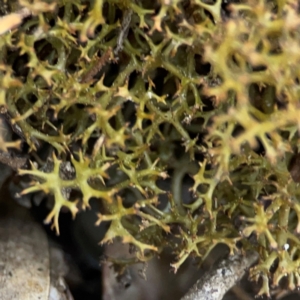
column 106, row 55
column 222, row 277
column 97, row 67
column 123, row 31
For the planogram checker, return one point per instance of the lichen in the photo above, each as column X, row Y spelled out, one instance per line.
column 148, row 88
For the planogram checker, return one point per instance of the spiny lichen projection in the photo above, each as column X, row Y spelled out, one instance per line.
column 147, row 89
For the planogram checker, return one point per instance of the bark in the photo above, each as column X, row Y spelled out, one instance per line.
column 221, row 278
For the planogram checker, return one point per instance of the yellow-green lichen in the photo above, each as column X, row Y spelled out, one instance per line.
column 147, row 89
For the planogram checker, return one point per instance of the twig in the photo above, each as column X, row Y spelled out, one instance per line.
column 97, row 67
column 222, row 277
column 123, row 31
column 100, row 63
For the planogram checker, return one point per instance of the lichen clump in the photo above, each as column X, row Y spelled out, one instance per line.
column 130, row 92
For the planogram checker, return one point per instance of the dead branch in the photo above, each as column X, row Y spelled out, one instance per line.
column 221, row 278
column 123, row 31
column 99, row 64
